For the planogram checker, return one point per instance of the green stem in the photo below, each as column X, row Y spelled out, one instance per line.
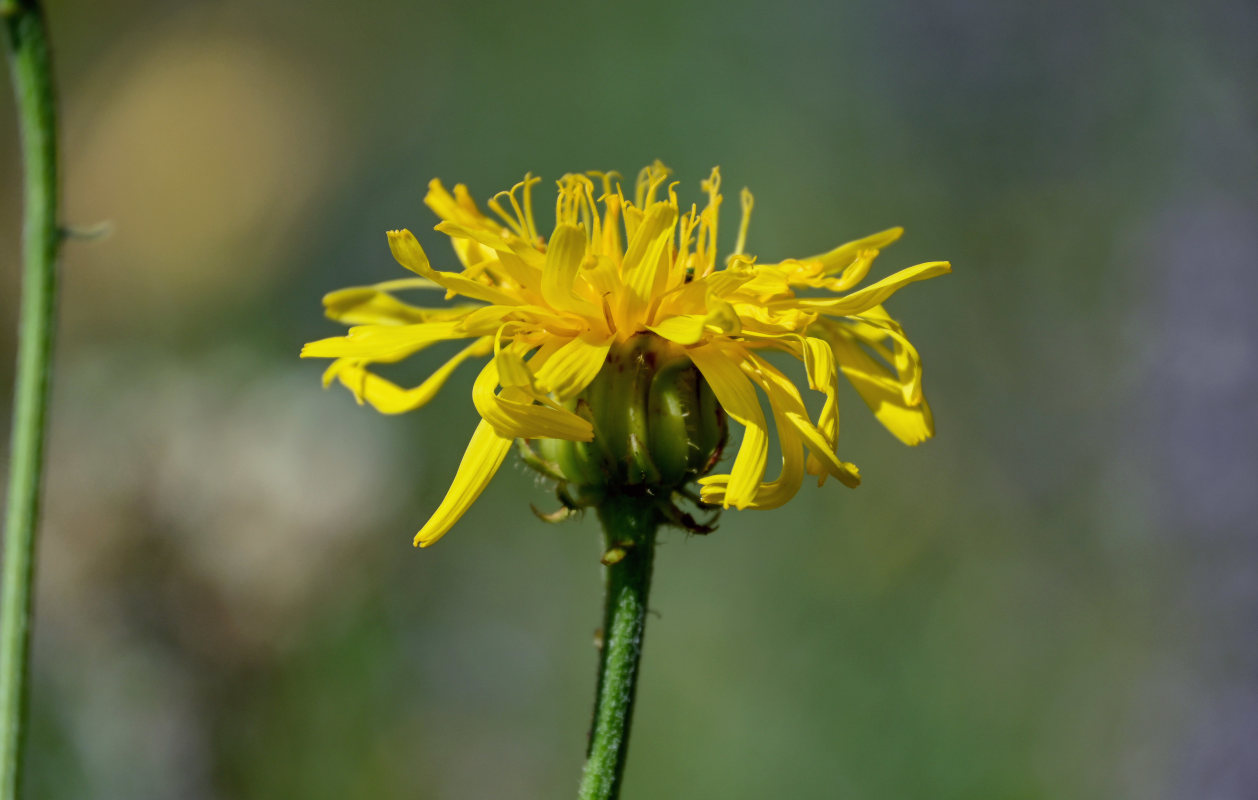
column 29, row 62
column 629, row 526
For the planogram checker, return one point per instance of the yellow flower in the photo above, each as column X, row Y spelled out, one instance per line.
column 548, row 311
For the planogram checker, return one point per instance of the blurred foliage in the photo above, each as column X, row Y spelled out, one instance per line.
column 1055, row 598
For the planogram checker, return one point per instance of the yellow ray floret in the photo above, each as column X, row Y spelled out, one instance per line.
column 546, row 310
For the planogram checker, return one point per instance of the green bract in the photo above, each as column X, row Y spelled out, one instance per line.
column 657, row 427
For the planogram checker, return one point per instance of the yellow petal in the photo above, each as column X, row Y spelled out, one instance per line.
column 383, row 342
column 633, row 218
column 603, row 276
column 688, row 329
column 459, row 208
column 873, row 328
column 462, row 210
column 645, row 264
column 389, row 398
column 882, row 392
column 497, row 241
column 777, row 492
column 573, row 366
column 684, row 329
column 767, row 283
column 406, row 250
column 373, row 305
column 737, row 395
column 334, row 369
column 779, row 319
column 482, row 320
column 695, row 296
column 821, row 450
column 509, row 270
column 823, row 377
column 363, row 306
column 819, row 364
column 564, row 255
column 785, row 400
column 512, row 371
column 854, row 273
column 516, row 414
column 481, row 460
column 875, row 293
column 841, row 257
column 470, row 254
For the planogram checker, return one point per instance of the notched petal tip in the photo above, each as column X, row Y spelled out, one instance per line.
column 320, row 347
column 850, row 476
column 407, row 251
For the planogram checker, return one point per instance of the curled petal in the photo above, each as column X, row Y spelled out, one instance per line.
column 843, row 256
column 737, row 395
column 573, row 366
column 784, row 398
column 389, row 398
column 515, row 412
column 775, row 493
column 875, row 293
column 481, row 460
column 409, row 254
column 883, row 392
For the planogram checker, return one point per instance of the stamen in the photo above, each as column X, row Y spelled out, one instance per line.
column 648, row 183
column 594, row 229
column 568, row 203
column 706, row 243
column 639, row 186
column 748, row 202
column 608, row 178
column 514, row 224
column 611, row 228
column 713, row 187
column 685, row 232
column 657, row 180
column 529, row 180
column 607, row 314
column 581, row 187
column 519, row 213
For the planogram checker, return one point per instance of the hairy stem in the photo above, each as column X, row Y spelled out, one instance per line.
column 629, row 527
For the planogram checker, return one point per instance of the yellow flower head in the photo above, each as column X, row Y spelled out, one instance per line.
column 548, row 311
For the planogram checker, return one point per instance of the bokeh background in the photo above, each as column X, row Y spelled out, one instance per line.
column 1055, row 598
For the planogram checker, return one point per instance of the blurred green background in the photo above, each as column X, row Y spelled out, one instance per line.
column 1055, row 598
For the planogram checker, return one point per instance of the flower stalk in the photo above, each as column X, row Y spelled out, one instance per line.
column 30, row 65
column 629, row 528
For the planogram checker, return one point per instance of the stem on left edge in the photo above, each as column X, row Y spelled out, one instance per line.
column 29, row 62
